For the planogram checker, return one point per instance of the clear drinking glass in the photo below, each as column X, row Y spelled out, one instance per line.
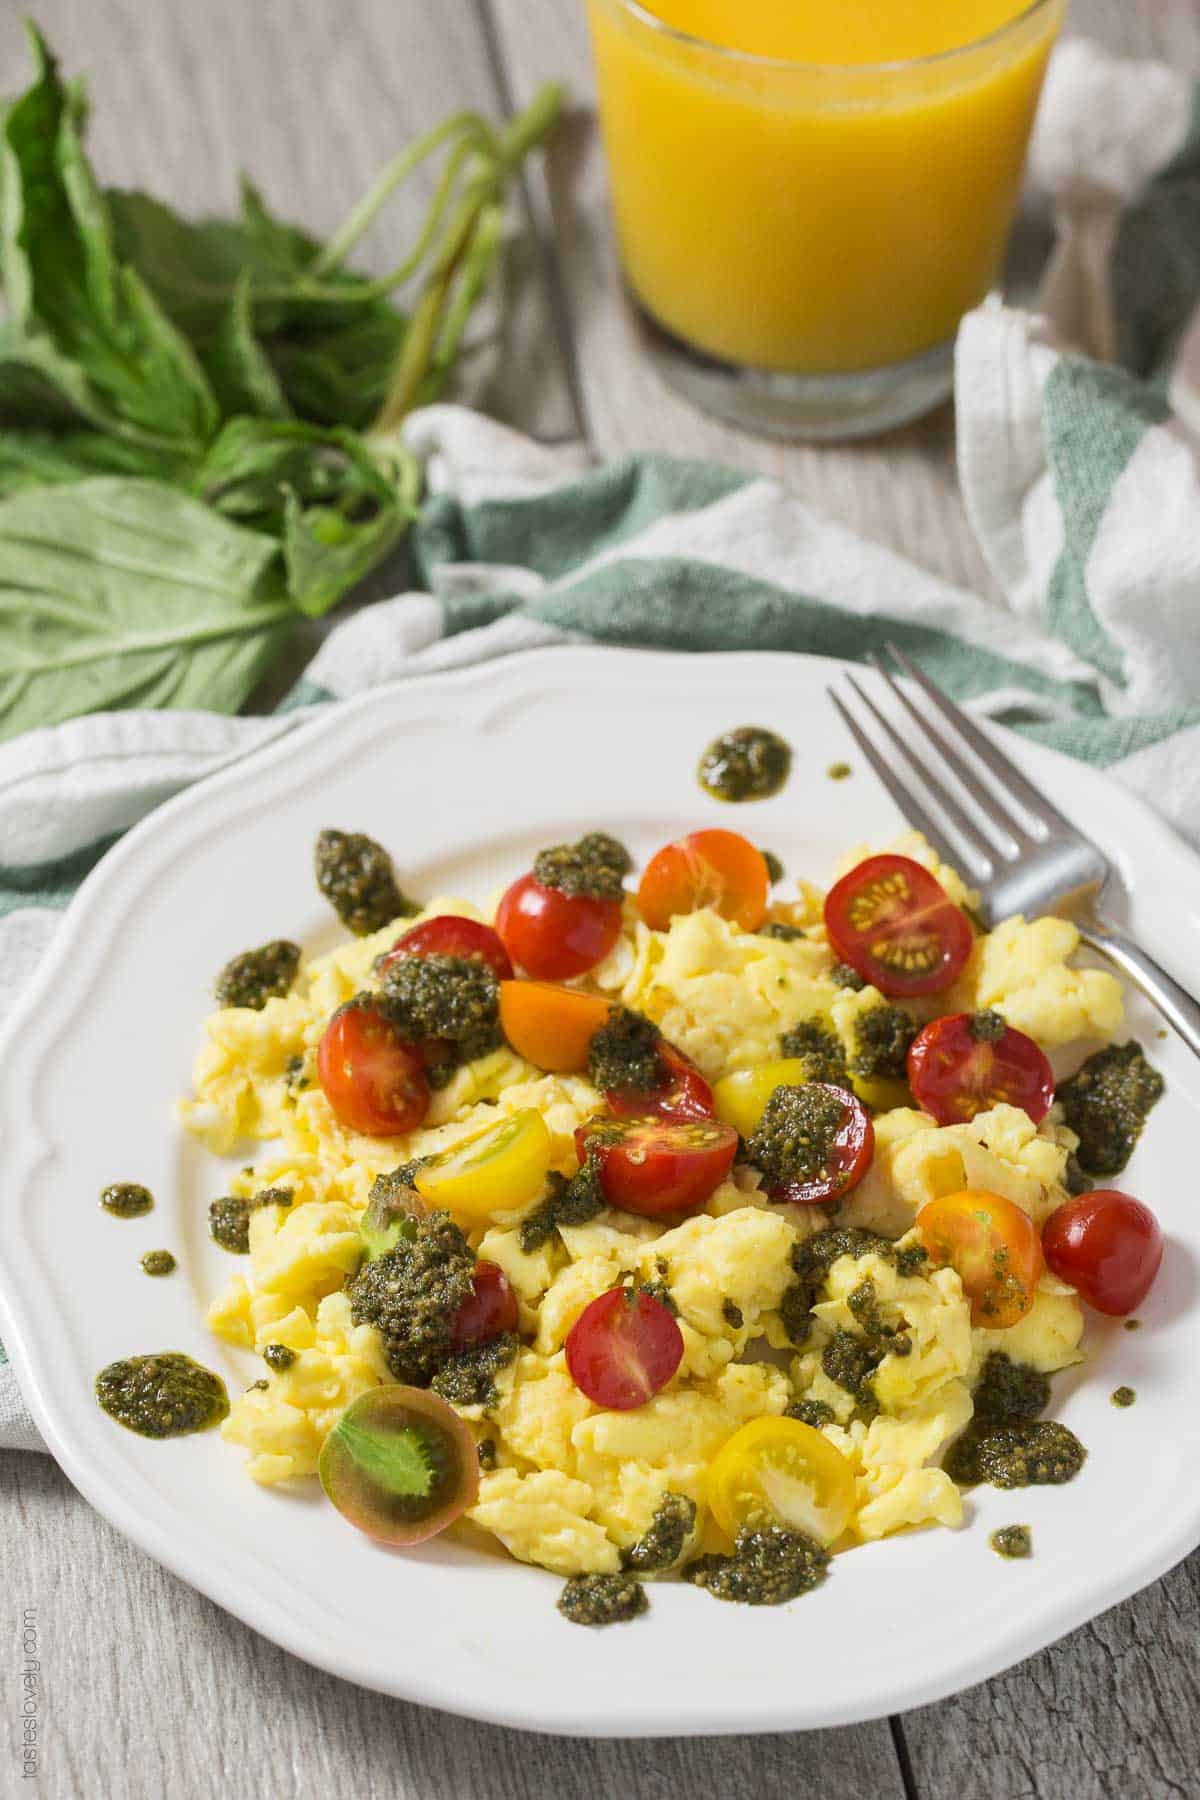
column 804, row 239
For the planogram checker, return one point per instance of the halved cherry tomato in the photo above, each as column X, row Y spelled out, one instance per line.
column 780, row 1472
column 497, row 1170
column 400, row 1464
column 1106, row 1244
column 554, row 936
column 684, row 1095
column 551, row 1026
column 655, row 1166
column 450, row 935
column 992, row 1246
column 372, row 1077
column 491, row 1309
column 954, row 1074
column 849, row 1156
column 713, row 868
column 623, row 1348
column 741, row 1098
column 895, row 926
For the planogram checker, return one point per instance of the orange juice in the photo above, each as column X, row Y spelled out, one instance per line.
column 816, row 186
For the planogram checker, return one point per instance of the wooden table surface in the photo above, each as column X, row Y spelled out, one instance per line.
column 150, row 1690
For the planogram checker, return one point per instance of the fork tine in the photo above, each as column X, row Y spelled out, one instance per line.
column 961, row 820
column 993, row 809
column 915, row 813
column 1001, row 766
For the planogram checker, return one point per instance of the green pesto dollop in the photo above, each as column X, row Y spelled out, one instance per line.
column 469, row 1378
column 795, row 1138
column 749, row 763
column 1014, row 1541
column 595, row 868
column 775, row 868
column 257, row 976
column 279, row 1357
column 602, row 1599
column 1015, row 1453
column 767, row 1568
column 355, row 875
column 411, row 1294
column 1010, row 1390
column 127, row 1200
column 573, row 1202
column 819, row 1049
column 162, row 1396
column 732, row 1314
column 1124, row 1396
column 782, row 931
column 158, row 1262
column 624, row 1053
column 883, row 1036
column 1133, row 1324
column 810, row 1412
column 485, row 1450
column 454, row 1000
column 843, row 976
column 662, row 1544
column 839, row 771
column 987, row 1027
column 1107, row 1103
column 229, row 1224
column 815, row 1256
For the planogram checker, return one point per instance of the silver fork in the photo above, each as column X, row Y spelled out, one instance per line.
column 1024, row 857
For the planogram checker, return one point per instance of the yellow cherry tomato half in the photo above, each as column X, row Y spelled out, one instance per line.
column 741, row 1098
column 993, row 1247
column 497, row 1170
column 781, row 1472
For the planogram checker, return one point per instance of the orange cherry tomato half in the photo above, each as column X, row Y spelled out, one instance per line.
column 551, row 1026
column 684, row 1095
column 372, row 1077
column 713, row 868
column 490, row 1309
column 992, row 1246
column 955, row 1073
column 554, row 936
column 623, row 1348
column 451, row 935
column 895, row 926
column 655, row 1166
column 1106, row 1244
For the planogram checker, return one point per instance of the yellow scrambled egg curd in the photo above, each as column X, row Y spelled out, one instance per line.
column 573, row 1484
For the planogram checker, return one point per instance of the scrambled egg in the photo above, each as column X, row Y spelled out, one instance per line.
column 573, row 1484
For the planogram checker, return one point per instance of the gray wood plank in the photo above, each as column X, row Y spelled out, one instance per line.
column 311, row 101
column 151, row 1691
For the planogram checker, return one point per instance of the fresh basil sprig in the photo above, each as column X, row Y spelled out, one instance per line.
column 198, row 419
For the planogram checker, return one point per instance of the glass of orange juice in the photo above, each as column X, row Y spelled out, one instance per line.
column 809, row 194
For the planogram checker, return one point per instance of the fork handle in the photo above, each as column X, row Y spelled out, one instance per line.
column 1174, row 1003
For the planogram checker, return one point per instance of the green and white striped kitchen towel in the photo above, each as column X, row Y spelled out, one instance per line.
column 1079, row 468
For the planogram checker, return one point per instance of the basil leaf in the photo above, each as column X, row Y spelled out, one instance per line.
column 117, row 592
column 43, row 458
column 80, row 322
column 238, row 367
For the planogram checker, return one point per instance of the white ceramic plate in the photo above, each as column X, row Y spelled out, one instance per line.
column 463, row 776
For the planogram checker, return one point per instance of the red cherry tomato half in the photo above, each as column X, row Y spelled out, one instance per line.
column 491, row 1309
column 849, row 1158
column 894, row 925
column 954, row 1075
column 554, row 936
column 623, row 1348
column 713, row 868
column 684, row 1095
column 654, row 1166
column 372, row 1077
column 451, row 935
column 1107, row 1245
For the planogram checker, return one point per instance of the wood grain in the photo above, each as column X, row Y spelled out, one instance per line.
column 153, row 1693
